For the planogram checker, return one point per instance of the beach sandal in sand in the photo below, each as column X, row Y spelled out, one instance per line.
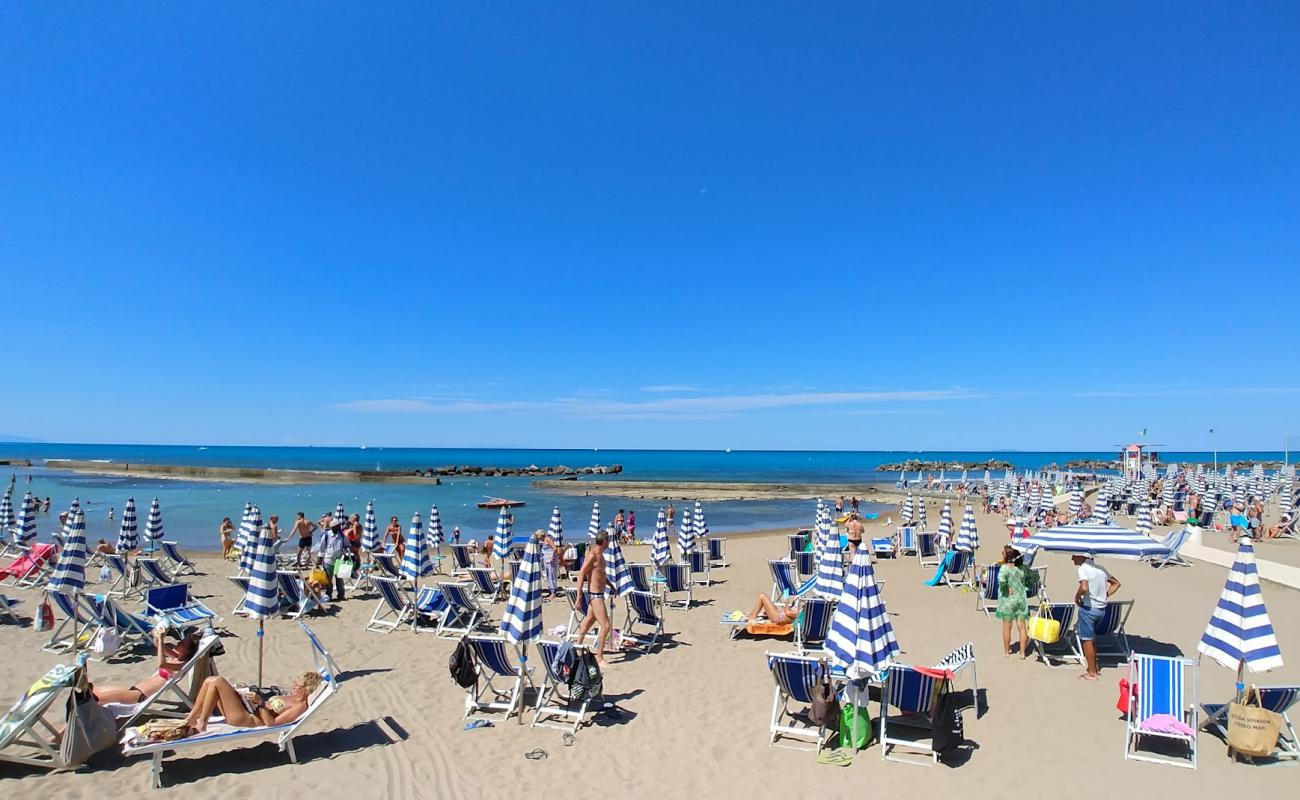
column 537, row 754
column 478, row 723
column 834, row 758
column 568, row 739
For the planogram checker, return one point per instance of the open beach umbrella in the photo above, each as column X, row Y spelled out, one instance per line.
column 617, row 573
column 415, row 558
column 700, row 527
column 1144, row 519
column 593, row 527
column 908, row 513
column 1091, row 539
column 1240, row 635
column 128, row 537
column 153, row 527
column 250, row 528
column 685, row 536
column 26, row 532
column 7, row 510
column 262, row 599
column 660, row 552
column 70, row 573
column 861, row 638
column 830, row 568
column 945, row 524
column 968, row 537
column 556, row 527
column 370, row 530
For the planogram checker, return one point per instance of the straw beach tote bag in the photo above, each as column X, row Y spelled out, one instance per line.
column 1252, row 729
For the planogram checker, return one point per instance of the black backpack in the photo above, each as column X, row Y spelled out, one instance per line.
column 461, row 665
column 585, row 681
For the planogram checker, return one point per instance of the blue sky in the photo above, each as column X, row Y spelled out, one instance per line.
column 754, row 225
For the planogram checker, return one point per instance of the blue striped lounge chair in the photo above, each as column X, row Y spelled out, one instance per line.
column 394, row 609
column 718, row 552
column 905, row 734
column 119, row 571
column 179, row 563
column 556, row 708
column 643, row 608
column 389, row 567
column 486, row 585
column 171, row 700
column 463, row 613
column 986, row 599
column 798, row 542
column 79, row 624
column 576, row 609
column 1165, row 686
column 1112, row 640
column 677, row 581
column 220, row 735
column 1279, row 700
column 294, row 598
column 884, row 547
column 29, row 728
column 805, row 563
column 7, row 609
column 958, row 572
column 174, row 605
column 784, row 583
column 1061, row 651
column 699, row 564
column 640, row 575
column 494, row 662
column 132, row 629
column 152, row 574
column 1174, row 541
column 795, row 677
column 813, row 623
column 906, row 535
column 429, row 606
column 460, row 560
column 241, row 583
column 927, row 549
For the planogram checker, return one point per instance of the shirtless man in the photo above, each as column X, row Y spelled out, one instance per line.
column 592, row 578
column 303, row 528
column 854, row 531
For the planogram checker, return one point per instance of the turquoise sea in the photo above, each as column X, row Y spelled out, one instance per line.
column 192, row 511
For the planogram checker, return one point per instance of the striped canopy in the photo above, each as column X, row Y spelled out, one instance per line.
column 339, row 516
column 70, row 573
column 968, row 538
column 861, row 638
column 659, row 552
column 153, row 527
column 685, row 535
column 823, row 526
column 262, row 600
column 501, row 538
column 1240, row 632
column 26, row 532
column 700, row 527
column 522, row 619
column 1076, row 503
column 908, row 510
column 250, row 528
column 1144, row 519
column 128, row 537
column 435, row 535
column 7, row 509
column 920, row 514
column 617, row 573
column 1092, row 539
column 945, row 523
column 830, row 568
column 556, row 527
column 593, row 527
column 415, row 557
column 370, row 530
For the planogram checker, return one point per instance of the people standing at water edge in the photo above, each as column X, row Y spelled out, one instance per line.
column 46, row 507
column 110, row 513
column 275, row 527
column 303, row 527
column 455, row 534
column 669, row 514
column 631, row 525
column 591, row 589
column 227, row 537
column 619, row 529
column 1015, row 583
column 393, row 537
column 1096, row 585
column 331, row 547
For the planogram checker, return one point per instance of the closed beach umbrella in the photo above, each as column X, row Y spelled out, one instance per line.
column 415, row 558
column 830, row 569
column 153, row 528
column 685, row 536
column 7, row 510
column 1092, row 539
column 556, row 527
column 339, row 516
column 1076, row 503
column 968, row 537
column 435, row 529
column 593, row 527
column 26, row 533
column 617, row 573
column 660, row 553
column 920, row 513
column 127, row 536
column 945, row 523
column 250, row 531
column 1144, row 519
column 262, row 599
column 861, row 638
column 501, row 538
column 908, row 512
column 521, row 622
column 370, row 530
column 700, row 527
column 1240, row 635
column 70, row 573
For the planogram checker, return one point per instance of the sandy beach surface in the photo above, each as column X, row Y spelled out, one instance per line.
column 694, row 714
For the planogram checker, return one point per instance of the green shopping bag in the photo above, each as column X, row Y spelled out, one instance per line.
column 855, row 726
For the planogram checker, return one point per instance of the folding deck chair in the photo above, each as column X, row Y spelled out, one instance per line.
column 884, row 547
column 1174, row 541
column 699, row 564
column 960, row 660
column 395, row 608
column 7, row 609
column 28, row 730
column 813, row 624
column 798, row 542
column 494, row 662
column 1164, row 686
column 463, row 613
column 173, row 605
column 805, row 563
column 119, row 569
column 132, row 629
column 179, row 563
column 78, row 626
column 677, row 580
column 906, row 535
column 176, row 702
column 1111, row 639
column 795, row 677
column 570, row 711
column 784, row 583
column 910, row 692
column 487, row 586
column 241, row 582
column 957, row 573
column 645, row 609
column 152, row 575
column 294, row 598
column 986, row 598
column 30, row 569
column 718, row 552
column 1279, row 700
column 927, row 549
column 388, row 566
column 460, row 561
column 1062, row 649
column 429, row 606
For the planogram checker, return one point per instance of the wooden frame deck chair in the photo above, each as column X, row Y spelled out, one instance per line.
column 805, row 563
column 241, row 582
column 485, row 585
column 927, row 549
column 463, row 613
column 1165, row 687
column 911, row 692
column 961, row 659
column 645, row 609
column 555, row 688
column 957, row 572
column 179, row 563
column 295, row 601
column 152, row 574
column 813, row 623
column 640, row 575
column 120, row 570
column 718, row 551
column 460, row 561
column 176, row 702
column 493, row 659
column 1111, row 639
column 677, row 580
column 1279, row 700
column 429, row 606
column 698, row 560
column 222, row 735
column 28, row 730
column 906, row 535
column 395, row 608
column 795, row 677
column 174, row 605
column 30, row 569
column 7, row 609
column 1060, row 651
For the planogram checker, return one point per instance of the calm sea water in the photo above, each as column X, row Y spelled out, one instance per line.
column 192, row 511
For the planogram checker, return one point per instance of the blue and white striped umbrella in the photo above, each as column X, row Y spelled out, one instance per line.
column 250, row 529
column 1144, row 519
column 617, row 573
column 556, row 527
column 153, row 527
column 1076, row 503
column 1240, row 632
column 26, row 533
column 339, row 517
column 660, row 552
column 1092, row 539
column 823, row 526
column 435, row 528
column 920, row 514
column 262, row 599
column 7, row 510
column 968, row 537
column 861, row 638
column 370, row 529
column 945, row 523
column 685, row 536
column 1101, row 511
column 70, row 573
column 830, row 568
column 908, row 512
column 593, row 527
column 700, row 527
column 502, row 536
column 522, row 619
column 415, row 558
column 128, row 537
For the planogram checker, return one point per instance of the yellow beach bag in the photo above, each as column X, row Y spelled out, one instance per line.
column 1043, row 628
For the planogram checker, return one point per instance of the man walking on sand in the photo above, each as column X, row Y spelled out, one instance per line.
column 592, row 578
column 1095, row 586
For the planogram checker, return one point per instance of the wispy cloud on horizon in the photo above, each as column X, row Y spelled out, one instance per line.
column 1192, row 391
column 669, row 388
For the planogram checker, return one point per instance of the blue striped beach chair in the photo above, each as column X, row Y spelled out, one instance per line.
column 1165, row 686
column 699, row 564
column 29, row 729
column 429, row 606
column 884, row 547
column 494, row 662
column 1061, row 650
column 176, row 608
column 798, row 542
column 957, row 572
column 486, row 585
column 805, row 563
column 460, row 560
column 677, row 581
column 1279, row 700
column 241, row 583
column 389, row 566
column 906, row 540
column 152, row 574
column 132, row 629
column 554, row 701
column 986, row 599
column 119, row 571
column 813, row 623
column 645, row 609
column 927, row 549
column 795, row 677
column 463, row 613
column 78, row 626
column 910, row 693
column 1174, row 541
column 179, row 563
column 1112, row 640
column 640, row 575
column 718, row 552
column 784, row 583
column 7, row 609
column 295, row 601
column 395, row 608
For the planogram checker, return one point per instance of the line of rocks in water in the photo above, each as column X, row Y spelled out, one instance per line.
column 915, row 464
column 532, row 470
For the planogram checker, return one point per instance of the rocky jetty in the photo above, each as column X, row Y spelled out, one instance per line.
column 916, row 465
column 532, row 470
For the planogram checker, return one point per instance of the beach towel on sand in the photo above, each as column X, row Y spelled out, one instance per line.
column 769, row 629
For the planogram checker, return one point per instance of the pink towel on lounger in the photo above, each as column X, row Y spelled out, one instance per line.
column 1165, row 723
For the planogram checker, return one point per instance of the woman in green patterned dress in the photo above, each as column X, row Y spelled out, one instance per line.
column 1015, row 583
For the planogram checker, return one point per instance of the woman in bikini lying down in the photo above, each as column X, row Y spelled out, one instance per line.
column 776, row 614
column 171, row 657
column 247, row 709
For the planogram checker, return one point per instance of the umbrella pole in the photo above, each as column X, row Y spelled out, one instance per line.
column 1241, row 678
column 261, row 635
column 523, row 667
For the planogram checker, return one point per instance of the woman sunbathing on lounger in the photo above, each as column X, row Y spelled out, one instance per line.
column 249, row 710
column 171, row 657
column 777, row 614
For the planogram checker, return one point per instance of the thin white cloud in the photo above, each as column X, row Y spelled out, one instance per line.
column 1209, row 391
column 669, row 388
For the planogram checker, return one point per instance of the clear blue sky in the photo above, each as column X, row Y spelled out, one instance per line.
column 867, row 225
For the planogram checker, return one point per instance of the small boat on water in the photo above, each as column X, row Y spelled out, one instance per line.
column 500, row 502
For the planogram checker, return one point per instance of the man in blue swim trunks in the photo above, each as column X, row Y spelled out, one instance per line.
column 1096, row 585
